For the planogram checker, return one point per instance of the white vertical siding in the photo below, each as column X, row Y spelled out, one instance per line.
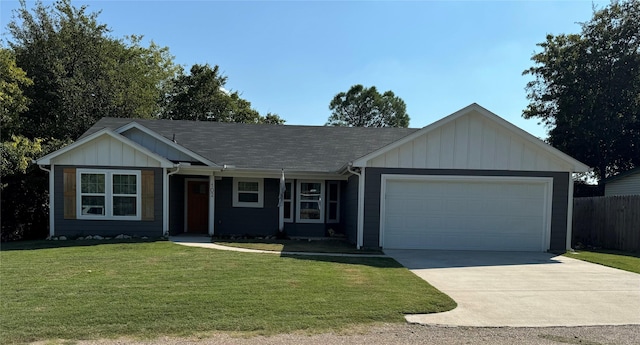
column 470, row 142
column 106, row 151
column 627, row 185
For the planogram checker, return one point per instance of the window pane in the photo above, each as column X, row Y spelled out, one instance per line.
column 310, row 188
column 287, row 210
column 93, row 205
column 333, row 211
column 309, row 210
column 92, row 183
column 287, row 192
column 333, row 192
column 248, row 186
column 248, row 197
column 124, row 206
column 124, row 184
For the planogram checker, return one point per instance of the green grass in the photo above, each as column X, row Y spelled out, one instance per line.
column 94, row 290
column 621, row 260
column 315, row 246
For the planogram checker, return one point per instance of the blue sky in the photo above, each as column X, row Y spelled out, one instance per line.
column 292, row 57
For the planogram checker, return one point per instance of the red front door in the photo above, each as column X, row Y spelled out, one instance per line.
column 197, row 206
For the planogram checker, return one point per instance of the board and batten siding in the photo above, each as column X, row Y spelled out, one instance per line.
column 627, row 185
column 156, row 146
column 371, row 227
column 65, row 214
column 470, row 142
column 106, row 151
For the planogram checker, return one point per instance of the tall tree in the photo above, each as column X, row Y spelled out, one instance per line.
column 201, row 96
column 366, row 107
column 587, row 89
column 12, row 99
column 80, row 73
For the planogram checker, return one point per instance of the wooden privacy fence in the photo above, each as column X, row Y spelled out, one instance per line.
column 611, row 222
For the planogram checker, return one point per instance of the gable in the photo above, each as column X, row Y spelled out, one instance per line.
column 157, row 146
column 472, row 139
column 105, row 148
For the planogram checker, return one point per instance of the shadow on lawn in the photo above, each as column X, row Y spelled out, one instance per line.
column 47, row 244
column 378, row 262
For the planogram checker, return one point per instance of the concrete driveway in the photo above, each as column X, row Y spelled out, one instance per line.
column 518, row 289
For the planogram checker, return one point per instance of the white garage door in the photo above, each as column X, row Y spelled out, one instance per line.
column 479, row 213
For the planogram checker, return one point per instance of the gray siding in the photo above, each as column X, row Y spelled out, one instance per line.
column 231, row 220
column 83, row 227
column 627, row 185
column 373, row 185
column 349, row 215
column 176, row 204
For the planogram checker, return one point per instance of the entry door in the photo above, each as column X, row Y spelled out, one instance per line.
column 197, row 206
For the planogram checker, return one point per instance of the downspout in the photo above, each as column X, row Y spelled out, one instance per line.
column 165, row 198
column 51, row 200
column 360, row 225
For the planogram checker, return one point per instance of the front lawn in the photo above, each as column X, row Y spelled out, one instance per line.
column 621, row 260
column 95, row 290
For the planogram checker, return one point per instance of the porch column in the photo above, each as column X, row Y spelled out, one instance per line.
column 165, row 202
column 212, row 204
column 360, row 227
column 52, row 203
column 570, row 213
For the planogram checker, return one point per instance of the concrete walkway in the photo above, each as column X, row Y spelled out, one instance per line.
column 205, row 242
column 496, row 289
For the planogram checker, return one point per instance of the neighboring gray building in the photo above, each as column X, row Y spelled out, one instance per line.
column 470, row 181
column 625, row 183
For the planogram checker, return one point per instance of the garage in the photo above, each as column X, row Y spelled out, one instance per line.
column 465, row 212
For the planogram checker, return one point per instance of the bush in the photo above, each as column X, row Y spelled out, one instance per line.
column 24, row 188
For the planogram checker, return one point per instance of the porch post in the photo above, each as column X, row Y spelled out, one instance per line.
column 212, row 204
column 52, row 216
column 165, row 202
column 360, row 227
column 570, row 213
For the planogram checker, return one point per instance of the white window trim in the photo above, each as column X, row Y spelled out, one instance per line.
column 299, row 201
column 237, row 203
column 337, row 202
column 108, row 195
column 290, row 201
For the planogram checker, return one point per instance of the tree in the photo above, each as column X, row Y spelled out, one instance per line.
column 12, row 100
column 201, row 96
column 80, row 73
column 587, row 90
column 365, row 107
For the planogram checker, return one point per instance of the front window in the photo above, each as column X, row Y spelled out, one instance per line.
column 248, row 192
column 310, row 202
column 125, row 195
column 93, row 194
column 109, row 194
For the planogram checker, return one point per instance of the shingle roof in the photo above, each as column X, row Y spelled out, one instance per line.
column 251, row 146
